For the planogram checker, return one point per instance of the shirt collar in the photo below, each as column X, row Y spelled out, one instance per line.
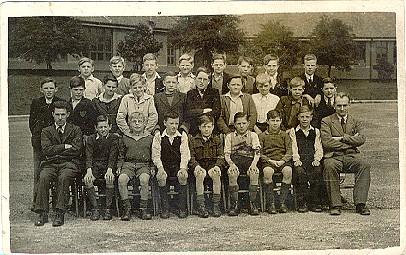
column 244, row 135
column 298, row 127
column 199, row 136
column 98, row 136
column 228, row 94
column 102, row 99
column 119, row 78
column 156, row 76
column 308, row 77
column 63, row 127
column 166, row 134
column 274, row 133
column 144, row 97
column 345, row 118
column 88, row 78
column 191, row 75
column 142, row 135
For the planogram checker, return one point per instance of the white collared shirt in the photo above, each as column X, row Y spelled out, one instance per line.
column 345, row 118
column 62, row 127
column 309, row 77
column 332, row 101
column 264, row 104
column 75, row 103
column 119, row 78
column 150, row 88
column 273, row 80
column 318, row 148
column 93, row 87
column 98, row 136
column 186, row 83
column 102, row 99
column 48, row 101
column 235, row 106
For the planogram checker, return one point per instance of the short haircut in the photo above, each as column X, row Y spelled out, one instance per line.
column 296, row 82
column 240, row 115
column 101, row 118
column 329, row 80
column 205, row 119
column 270, row 57
column 135, row 78
column 262, row 78
column 149, row 56
column 273, row 114
column 308, row 57
column 76, row 81
column 233, row 76
column 110, row 77
column 202, row 69
column 245, row 59
column 170, row 74
column 305, row 108
column 171, row 115
column 116, row 60
column 342, row 95
column 136, row 115
column 61, row 105
column 186, row 57
column 84, row 60
column 47, row 80
column 218, row 56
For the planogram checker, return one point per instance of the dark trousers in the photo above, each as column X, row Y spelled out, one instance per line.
column 307, row 173
column 37, row 155
column 63, row 174
column 350, row 163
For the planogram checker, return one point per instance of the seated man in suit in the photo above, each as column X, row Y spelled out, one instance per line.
column 61, row 146
column 341, row 134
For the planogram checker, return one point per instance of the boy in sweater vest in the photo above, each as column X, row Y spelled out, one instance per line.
column 170, row 154
column 307, row 153
column 101, row 157
column 134, row 161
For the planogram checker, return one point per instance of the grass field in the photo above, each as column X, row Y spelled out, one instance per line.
column 290, row 231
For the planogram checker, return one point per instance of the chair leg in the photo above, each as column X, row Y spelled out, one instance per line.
column 75, row 196
column 188, row 199
column 261, row 199
column 84, row 197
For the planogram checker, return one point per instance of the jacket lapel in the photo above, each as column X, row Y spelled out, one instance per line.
column 176, row 99
column 337, row 124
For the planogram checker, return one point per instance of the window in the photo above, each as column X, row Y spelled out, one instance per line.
column 381, row 51
column 360, row 49
column 170, row 56
column 101, row 41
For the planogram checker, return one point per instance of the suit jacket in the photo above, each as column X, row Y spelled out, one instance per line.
column 321, row 111
column 109, row 109
column 315, row 88
column 159, row 85
column 123, row 86
column 284, row 107
column 224, row 88
column 163, row 107
column 40, row 118
column 53, row 146
column 84, row 116
column 248, row 108
column 353, row 136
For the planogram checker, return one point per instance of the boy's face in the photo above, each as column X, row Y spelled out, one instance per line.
column 138, row 89
column 48, row 89
column 235, row 86
column 60, row 116
column 103, row 128
column 185, row 67
column 218, row 66
column 171, row 84
column 110, row 88
column 241, row 125
column 342, row 104
column 304, row 119
column 171, row 125
column 272, row 67
column 117, row 69
column 274, row 123
column 244, row 68
column 206, row 129
column 137, row 125
column 296, row 92
column 77, row 93
column 263, row 88
column 202, row 81
column 150, row 67
column 329, row 90
column 86, row 69
column 310, row 66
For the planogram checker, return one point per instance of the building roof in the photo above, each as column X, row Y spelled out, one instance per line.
column 365, row 25
column 164, row 23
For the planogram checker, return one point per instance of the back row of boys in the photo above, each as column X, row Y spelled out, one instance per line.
column 235, row 111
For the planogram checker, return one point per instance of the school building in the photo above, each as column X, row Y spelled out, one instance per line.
column 375, row 36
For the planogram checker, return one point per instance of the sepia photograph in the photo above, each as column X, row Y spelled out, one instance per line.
column 195, row 127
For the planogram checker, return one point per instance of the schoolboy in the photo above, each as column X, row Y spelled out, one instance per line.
column 134, row 161
column 264, row 101
column 313, row 83
column 83, row 113
column 326, row 106
column 137, row 101
column 101, row 157
column 41, row 117
column 117, row 67
column 107, row 102
column 235, row 101
column 278, row 86
column 170, row 100
column 93, row 86
column 186, row 79
column 152, row 78
column 170, row 154
column 245, row 65
column 276, row 155
column 219, row 78
column 241, row 152
column 288, row 106
column 307, row 152
column 207, row 158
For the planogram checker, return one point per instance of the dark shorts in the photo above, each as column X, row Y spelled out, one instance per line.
column 99, row 169
column 277, row 169
column 242, row 162
column 132, row 169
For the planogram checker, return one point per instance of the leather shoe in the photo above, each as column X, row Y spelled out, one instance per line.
column 283, row 208
column 362, row 209
column 107, row 215
column 59, row 219
column 335, row 211
column 316, row 208
column 42, row 219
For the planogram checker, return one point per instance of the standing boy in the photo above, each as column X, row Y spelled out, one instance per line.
column 241, row 152
column 326, row 105
column 186, row 79
column 278, row 86
column 245, row 65
column 152, row 78
column 219, row 78
column 313, row 83
column 93, row 86
column 117, row 67
column 170, row 154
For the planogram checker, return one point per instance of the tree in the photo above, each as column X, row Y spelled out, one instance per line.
column 137, row 43
column 207, row 35
column 277, row 39
column 46, row 39
column 332, row 42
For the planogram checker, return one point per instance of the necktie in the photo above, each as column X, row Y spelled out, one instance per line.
column 329, row 101
column 60, row 132
column 343, row 125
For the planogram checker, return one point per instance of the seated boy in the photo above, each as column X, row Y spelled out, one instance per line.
column 275, row 157
column 207, row 158
column 153, row 80
column 288, row 106
column 236, row 101
column 186, row 79
column 245, row 65
column 101, row 157
column 307, row 153
column 117, row 66
column 241, row 152
column 93, row 86
column 264, row 102
column 134, row 161
column 107, row 102
column 326, row 105
column 170, row 154
column 137, row 101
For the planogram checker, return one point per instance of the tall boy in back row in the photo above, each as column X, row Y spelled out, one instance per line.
column 93, row 86
column 313, row 82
